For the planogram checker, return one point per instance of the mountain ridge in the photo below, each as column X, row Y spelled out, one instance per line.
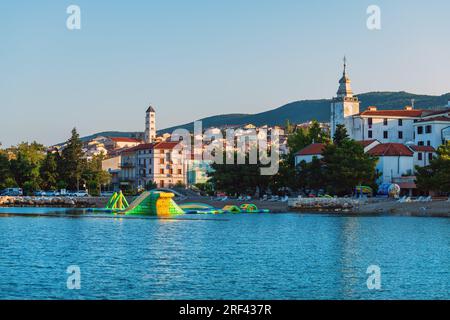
column 319, row 109
column 303, row 111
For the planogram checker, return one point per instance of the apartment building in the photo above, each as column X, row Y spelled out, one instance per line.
column 162, row 163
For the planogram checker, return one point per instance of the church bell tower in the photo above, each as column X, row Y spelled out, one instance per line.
column 150, row 125
column 344, row 106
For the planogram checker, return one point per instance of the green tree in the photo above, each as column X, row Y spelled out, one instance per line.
column 288, row 127
column 6, row 176
column 287, row 176
column 436, row 176
column 93, row 175
column 151, row 185
column 345, row 166
column 49, row 172
column 25, row 165
column 316, row 134
column 310, row 175
column 206, row 188
column 236, row 179
column 72, row 162
column 340, row 135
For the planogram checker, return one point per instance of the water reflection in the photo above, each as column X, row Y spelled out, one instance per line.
column 285, row 256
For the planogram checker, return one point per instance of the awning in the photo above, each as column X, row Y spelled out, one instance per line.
column 407, row 185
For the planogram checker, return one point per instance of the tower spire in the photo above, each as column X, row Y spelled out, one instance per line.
column 345, row 89
column 345, row 65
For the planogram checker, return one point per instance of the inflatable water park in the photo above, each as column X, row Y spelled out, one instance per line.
column 159, row 203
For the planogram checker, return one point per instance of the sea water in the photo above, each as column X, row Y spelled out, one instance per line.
column 244, row 256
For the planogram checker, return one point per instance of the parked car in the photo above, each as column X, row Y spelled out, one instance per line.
column 12, row 192
column 46, row 193
column 81, row 193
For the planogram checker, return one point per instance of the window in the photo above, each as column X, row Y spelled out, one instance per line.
column 400, row 134
column 385, row 122
column 430, row 156
column 419, row 156
column 428, row 129
column 420, row 143
column 385, row 135
column 428, row 143
column 161, row 161
column 400, row 122
column 179, row 171
column 161, row 171
column 370, row 122
column 370, row 134
column 420, row 130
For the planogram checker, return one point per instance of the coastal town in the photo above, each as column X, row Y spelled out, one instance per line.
column 398, row 142
column 216, row 159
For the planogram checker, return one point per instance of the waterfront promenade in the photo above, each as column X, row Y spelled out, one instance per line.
column 374, row 206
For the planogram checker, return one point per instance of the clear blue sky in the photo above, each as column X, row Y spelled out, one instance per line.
column 197, row 58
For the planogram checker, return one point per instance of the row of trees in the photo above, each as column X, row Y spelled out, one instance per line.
column 344, row 165
column 31, row 168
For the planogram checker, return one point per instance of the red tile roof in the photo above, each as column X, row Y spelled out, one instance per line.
column 441, row 118
column 393, row 113
column 312, row 149
column 143, row 146
column 166, row 145
column 428, row 113
column 391, row 150
column 422, row 148
column 124, row 139
column 366, row 143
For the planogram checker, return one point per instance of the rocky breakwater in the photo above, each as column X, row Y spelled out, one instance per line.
column 325, row 204
column 63, row 202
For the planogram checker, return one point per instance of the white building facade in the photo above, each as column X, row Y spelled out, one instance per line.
column 160, row 163
column 412, row 126
column 401, row 139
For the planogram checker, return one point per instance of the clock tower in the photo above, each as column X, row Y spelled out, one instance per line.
column 344, row 106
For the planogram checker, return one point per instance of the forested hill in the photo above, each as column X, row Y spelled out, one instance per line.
column 305, row 110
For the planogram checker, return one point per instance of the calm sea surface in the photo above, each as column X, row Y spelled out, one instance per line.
column 282, row 256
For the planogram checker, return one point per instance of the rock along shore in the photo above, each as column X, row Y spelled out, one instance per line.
column 373, row 206
column 325, row 204
column 62, row 202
